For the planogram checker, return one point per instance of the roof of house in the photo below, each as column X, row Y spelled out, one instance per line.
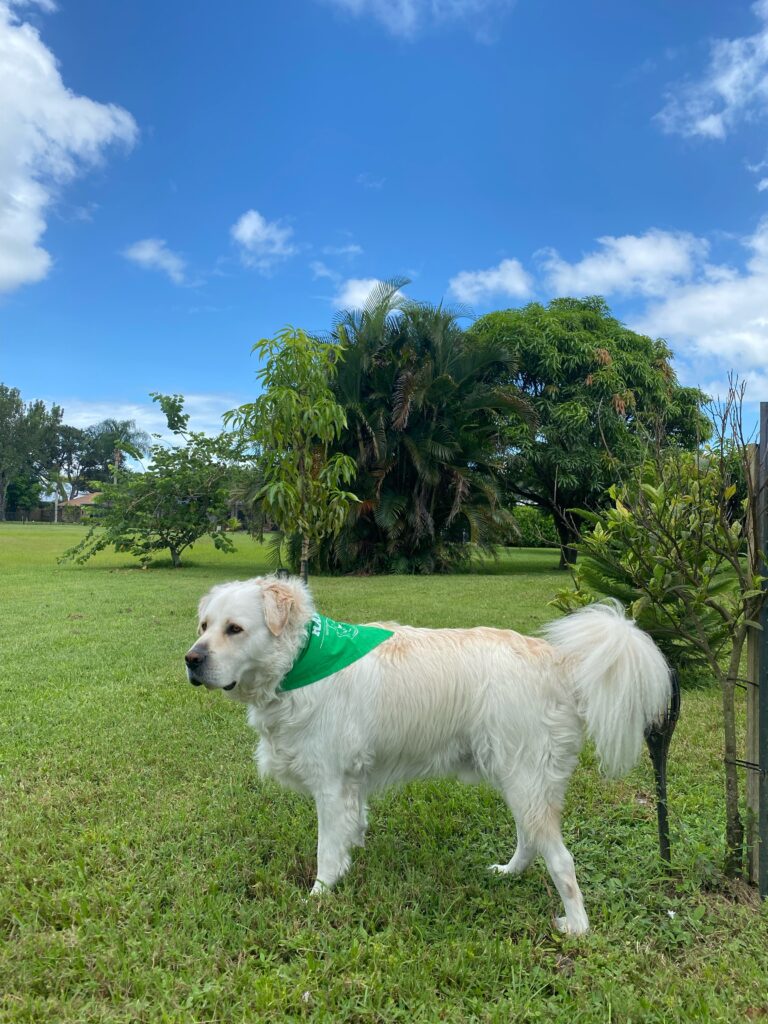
column 84, row 499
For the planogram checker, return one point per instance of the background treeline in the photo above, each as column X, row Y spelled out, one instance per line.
column 463, row 434
column 43, row 457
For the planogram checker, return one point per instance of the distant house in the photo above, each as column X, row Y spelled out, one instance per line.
column 75, row 509
column 83, row 499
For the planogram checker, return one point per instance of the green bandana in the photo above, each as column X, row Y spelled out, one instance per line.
column 331, row 646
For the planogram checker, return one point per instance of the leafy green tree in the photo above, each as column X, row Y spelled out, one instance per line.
column 293, row 424
column 107, row 445
column 23, row 494
column 27, row 438
column 70, row 460
column 671, row 548
column 184, row 495
column 600, row 393
column 425, row 410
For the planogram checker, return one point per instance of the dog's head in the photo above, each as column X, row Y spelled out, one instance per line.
column 249, row 634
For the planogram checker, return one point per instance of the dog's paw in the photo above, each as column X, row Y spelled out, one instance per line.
column 511, row 870
column 319, row 888
column 562, row 924
column 499, row 869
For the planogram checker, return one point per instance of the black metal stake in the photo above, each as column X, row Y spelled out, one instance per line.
column 658, row 739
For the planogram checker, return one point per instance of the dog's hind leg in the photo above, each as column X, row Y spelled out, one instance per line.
column 561, row 869
column 538, row 832
column 339, row 827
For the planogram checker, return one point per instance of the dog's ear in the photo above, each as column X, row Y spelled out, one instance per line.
column 202, row 605
column 278, row 602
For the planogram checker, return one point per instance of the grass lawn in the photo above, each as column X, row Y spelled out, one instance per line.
column 148, row 875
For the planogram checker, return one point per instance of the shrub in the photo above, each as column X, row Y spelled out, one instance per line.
column 535, row 528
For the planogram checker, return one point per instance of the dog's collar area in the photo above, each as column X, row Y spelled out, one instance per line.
column 330, row 646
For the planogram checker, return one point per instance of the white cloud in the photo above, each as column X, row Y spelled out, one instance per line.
column 759, row 169
column 406, row 17
column 354, row 292
column 370, row 181
column 733, row 88
column 205, row 412
column 48, row 136
column 723, row 314
column 48, row 6
column 508, row 278
column 630, row 264
column 263, row 243
column 343, row 250
column 320, row 269
column 154, row 254
column 755, row 387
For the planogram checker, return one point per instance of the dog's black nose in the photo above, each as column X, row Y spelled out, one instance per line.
column 194, row 658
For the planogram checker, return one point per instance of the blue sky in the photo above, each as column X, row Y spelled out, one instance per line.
column 178, row 179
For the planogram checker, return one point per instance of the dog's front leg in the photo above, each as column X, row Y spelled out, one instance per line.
column 338, row 828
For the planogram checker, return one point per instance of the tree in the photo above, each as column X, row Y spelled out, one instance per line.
column 70, row 460
column 27, row 438
column 23, row 494
column 424, row 414
column 672, row 546
column 292, row 424
column 183, row 496
column 108, row 443
column 600, row 393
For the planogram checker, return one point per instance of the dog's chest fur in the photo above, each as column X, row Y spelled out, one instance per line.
column 287, row 744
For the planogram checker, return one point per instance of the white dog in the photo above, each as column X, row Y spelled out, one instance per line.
column 478, row 704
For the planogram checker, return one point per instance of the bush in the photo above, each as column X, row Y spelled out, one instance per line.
column 536, row 528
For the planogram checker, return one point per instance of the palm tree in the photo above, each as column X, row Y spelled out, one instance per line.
column 110, row 441
column 423, row 423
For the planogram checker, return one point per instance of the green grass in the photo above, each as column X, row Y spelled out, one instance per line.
column 148, row 875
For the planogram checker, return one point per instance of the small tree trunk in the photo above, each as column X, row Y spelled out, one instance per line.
column 305, row 559
column 734, row 826
column 3, row 488
column 568, row 537
column 176, row 558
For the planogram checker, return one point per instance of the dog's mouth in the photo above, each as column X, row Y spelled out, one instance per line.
column 210, row 686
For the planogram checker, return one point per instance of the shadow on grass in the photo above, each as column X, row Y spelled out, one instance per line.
column 509, row 562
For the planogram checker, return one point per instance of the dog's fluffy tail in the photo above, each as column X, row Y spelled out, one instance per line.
column 622, row 682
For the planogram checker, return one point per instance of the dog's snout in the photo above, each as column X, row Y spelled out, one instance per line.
column 195, row 657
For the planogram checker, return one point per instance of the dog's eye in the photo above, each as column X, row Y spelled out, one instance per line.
column 233, row 629
column 203, row 626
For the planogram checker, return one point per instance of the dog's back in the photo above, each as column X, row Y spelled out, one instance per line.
column 427, row 702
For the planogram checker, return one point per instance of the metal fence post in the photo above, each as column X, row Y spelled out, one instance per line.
column 762, row 506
